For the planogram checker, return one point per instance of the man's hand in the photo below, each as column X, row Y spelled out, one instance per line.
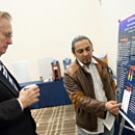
column 29, row 96
column 113, row 107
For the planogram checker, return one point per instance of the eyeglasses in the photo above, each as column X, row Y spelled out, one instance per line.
column 7, row 34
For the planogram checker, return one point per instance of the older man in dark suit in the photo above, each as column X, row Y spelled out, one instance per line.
column 15, row 116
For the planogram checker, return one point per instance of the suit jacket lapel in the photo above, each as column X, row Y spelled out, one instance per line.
column 8, row 85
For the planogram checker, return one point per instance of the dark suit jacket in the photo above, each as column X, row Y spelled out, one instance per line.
column 13, row 120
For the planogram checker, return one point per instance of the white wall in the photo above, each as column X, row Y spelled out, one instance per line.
column 112, row 11
column 45, row 28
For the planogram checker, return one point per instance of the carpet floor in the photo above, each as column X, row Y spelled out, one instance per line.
column 58, row 120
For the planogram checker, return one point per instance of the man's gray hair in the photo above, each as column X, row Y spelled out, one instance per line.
column 6, row 15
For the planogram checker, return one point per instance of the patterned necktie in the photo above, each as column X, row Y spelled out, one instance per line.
column 7, row 76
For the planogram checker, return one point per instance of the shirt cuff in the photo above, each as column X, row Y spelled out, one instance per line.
column 21, row 105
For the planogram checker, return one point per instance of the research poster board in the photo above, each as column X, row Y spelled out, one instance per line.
column 126, row 69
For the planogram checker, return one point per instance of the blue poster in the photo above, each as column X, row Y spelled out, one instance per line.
column 126, row 69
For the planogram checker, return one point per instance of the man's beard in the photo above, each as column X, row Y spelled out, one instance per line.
column 87, row 63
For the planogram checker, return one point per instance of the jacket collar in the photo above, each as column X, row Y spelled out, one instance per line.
column 98, row 62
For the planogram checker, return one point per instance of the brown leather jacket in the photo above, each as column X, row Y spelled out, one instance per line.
column 79, row 86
